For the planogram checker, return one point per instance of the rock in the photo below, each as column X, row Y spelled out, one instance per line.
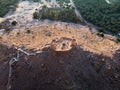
column 2, row 31
column 43, row 65
column 63, row 44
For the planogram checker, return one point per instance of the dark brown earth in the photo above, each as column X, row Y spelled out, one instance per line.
column 70, row 70
column 77, row 59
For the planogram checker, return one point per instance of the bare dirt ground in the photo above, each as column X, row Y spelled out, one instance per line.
column 38, row 36
column 93, row 64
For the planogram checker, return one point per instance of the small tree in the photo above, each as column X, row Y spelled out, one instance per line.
column 36, row 15
column 14, row 23
column 118, row 40
column 28, row 31
column 100, row 34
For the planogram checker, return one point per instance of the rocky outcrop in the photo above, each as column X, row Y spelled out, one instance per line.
column 63, row 44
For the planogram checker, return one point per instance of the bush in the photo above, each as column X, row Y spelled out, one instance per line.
column 36, row 15
column 28, row 31
column 101, row 30
column 118, row 40
column 14, row 23
column 0, row 38
column 100, row 34
column 18, row 33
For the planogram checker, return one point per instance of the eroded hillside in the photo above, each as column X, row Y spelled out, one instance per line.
column 50, row 70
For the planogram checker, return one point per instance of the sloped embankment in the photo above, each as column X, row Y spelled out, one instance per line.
column 69, row 70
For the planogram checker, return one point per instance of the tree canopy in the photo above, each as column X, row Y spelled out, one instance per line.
column 100, row 13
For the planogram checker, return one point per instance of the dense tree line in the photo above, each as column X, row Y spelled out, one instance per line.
column 98, row 12
column 63, row 1
column 60, row 14
column 6, row 5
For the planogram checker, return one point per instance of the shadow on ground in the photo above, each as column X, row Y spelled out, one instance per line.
column 71, row 70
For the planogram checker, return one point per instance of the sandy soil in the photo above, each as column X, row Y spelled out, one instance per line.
column 37, row 36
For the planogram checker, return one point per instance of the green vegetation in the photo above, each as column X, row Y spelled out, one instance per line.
column 63, row 1
column 6, row 5
column 118, row 40
column 65, row 13
column 18, row 33
column 14, row 23
column 36, row 15
column 35, row 0
column 101, row 14
column 100, row 34
column 101, row 30
column 28, row 31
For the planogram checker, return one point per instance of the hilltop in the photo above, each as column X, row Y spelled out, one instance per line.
column 93, row 63
column 37, row 36
column 40, row 54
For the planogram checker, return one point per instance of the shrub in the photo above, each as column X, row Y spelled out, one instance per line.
column 118, row 40
column 28, row 31
column 100, row 34
column 18, row 33
column 36, row 15
column 101, row 30
column 14, row 23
